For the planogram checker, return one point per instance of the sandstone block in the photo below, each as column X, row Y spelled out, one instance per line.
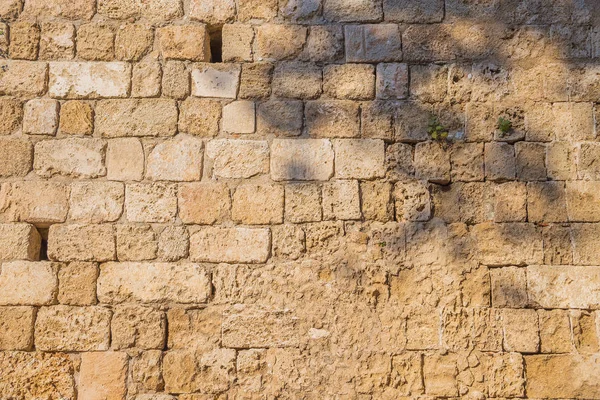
column 37, row 375
column 377, row 119
column 429, row 83
column 211, row 372
column 509, row 287
column 239, row 117
column 19, row 242
column 407, row 375
column 506, row 375
column 144, row 117
column 574, row 121
column 76, row 118
column 245, row 327
column 136, row 243
column 212, row 12
column 255, row 9
column 376, row 201
column 573, row 376
column 587, row 168
column 585, row 242
column 423, row 329
column 10, row 9
column 200, row 117
column 81, row 243
column 336, row 118
column 153, row 10
column 173, row 243
column 145, row 80
column 555, row 331
column 237, row 42
column 325, row 43
column 521, row 332
column 150, row 202
column 24, row 40
column 75, row 157
column 153, row 283
column 373, row 43
column 204, row 203
column 67, row 328
column 11, row 115
column 93, row 80
column 233, row 158
column 412, row 201
column 36, row 281
column 413, row 11
column 16, row 328
column 510, row 202
column 125, row 160
column 255, row 81
column 303, row 203
column 563, row 286
column 349, row 81
column 583, row 201
column 184, row 42
column 297, row 80
column 467, row 162
column 432, row 162
column 399, row 161
column 289, row 241
column 546, row 202
column 230, row 245
column 139, row 327
column 177, row 159
column 530, row 161
column 133, row 41
column 278, row 42
column 257, row 204
column 103, row 375
column 175, row 80
column 472, row 328
column 280, row 117
column 341, row 200
column 392, row 81
column 195, row 329
column 558, row 248
column 289, row 159
column 499, row 161
column 354, row 10
column 79, row 9
column 24, row 203
column 440, row 372
column 216, row 80
column 560, row 161
column 508, row 244
column 96, row 202
column 16, row 157
column 146, row 370
column 411, row 121
column 23, row 78
column 77, row 284
column 95, row 41
column 359, row 158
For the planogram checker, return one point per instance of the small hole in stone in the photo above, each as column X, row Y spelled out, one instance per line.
column 44, row 244
column 216, row 45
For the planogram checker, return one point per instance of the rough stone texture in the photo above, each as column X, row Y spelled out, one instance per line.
column 199, row 117
column 139, row 327
column 19, row 242
column 40, row 117
column 551, row 286
column 77, row 283
column 78, row 80
column 257, row 204
column 76, row 157
column 177, row 159
column 233, row 158
column 76, row 118
column 578, row 377
column 230, row 245
column 103, row 375
column 96, row 202
column 23, row 78
column 359, row 158
column 184, row 42
column 125, row 160
column 15, row 328
column 216, row 80
column 289, row 159
column 150, row 203
column 74, row 242
column 148, row 117
column 203, row 203
column 37, row 282
column 22, row 202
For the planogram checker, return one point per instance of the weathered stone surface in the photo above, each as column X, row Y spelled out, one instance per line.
column 341, row 200
column 230, row 245
column 553, row 286
column 22, row 202
column 303, row 203
column 278, row 42
column 412, row 201
column 216, row 80
column 31, row 375
column 255, row 9
column 76, row 118
column 211, row 372
column 11, row 115
column 80, row 9
column 239, row 117
column 24, row 40
column 245, row 327
column 67, row 328
column 555, row 331
column 508, row 244
column 376, row 201
column 103, row 375
column 349, row 81
column 125, row 160
column 16, row 157
column 177, row 159
column 550, row 376
column 75, row 157
column 136, row 242
column 153, row 10
column 257, row 205
column 150, row 203
column 23, row 78
column 204, row 203
column 413, row 11
column 77, row 283
column 96, row 42
column 440, row 373
column 40, row 117
column 212, row 12
column 585, row 239
column 330, row 119
column 16, row 328
column 511, row 202
column 392, row 81
column 153, row 283
column 200, row 117
column 255, row 81
column 583, row 201
column 280, row 117
column 145, row 80
column 133, row 41
column 184, row 42
column 359, row 158
column 432, row 162
column 195, row 329
column 297, row 80
column 521, row 332
column 509, row 287
column 546, row 202
column 146, row 370
column 147, row 117
column 173, row 243
column 19, row 242
column 139, row 327
column 93, row 80
column 237, row 42
column 354, row 10
column 289, row 159
column 57, row 41
column 73, row 242
column 36, row 281
column 96, row 202
column 373, row 43
column 232, row 158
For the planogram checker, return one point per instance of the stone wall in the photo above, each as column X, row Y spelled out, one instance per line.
column 331, row 212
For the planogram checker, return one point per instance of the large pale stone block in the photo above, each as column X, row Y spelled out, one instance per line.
column 359, row 158
column 508, row 244
column 184, row 42
column 74, row 242
column 257, row 204
column 103, row 375
column 245, row 327
column 77, row 284
column 583, row 201
column 68, row 328
column 216, row 80
column 24, row 202
column 96, row 202
column 153, row 283
column 144, row 117
column 94, row 80
column 301, row 159
column 209, row 372
column 562, row 376
column 212, row 12
column 22, row 78
column 554, row 286
column 521, row 331
column 75, row 157
column 239, row 117
column 153, row 10
column 232, row 158
column 19, row 242
column 230, row 245
column 177, row 159
column 78, row 9
column 150, row 202
column 125, row 160
column 373, row 43
column 28, row 283
column 16, row 328
column 40, row 117
column 203, row 203
column 139, row 327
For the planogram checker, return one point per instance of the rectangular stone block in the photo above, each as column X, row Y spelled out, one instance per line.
column 196, row 328
column 301, row 159
column 75, row 157
column 176, row 159
column 216, row 80
column 78, row 9
column 144, row 117
column 586, row 242
column 359, row 158
column 150, row 202
column 341, row 200
column 23, row 202
column 554, row 286
column 153, row 10
column 16, row 328
column 562, row 376
column 413, row 11
column 19, row 242
column 184, row 42
column 583, row 201
column 77, row 284
column 125, row 160
column 28, row 283
column 153, row 283
column 278, row 41
column 93, row 80
column 245, row 327
column 73, row 242
column 68, row 328
column 22, row 78
column 230, row 245
column 332, row 118
column 40, row 117
column 235, row 158
column 96, row 202
column 103, row 375
column 373, row 43
column 133, row 326
column 257, row 204
column 508, row 244
column 303, row 203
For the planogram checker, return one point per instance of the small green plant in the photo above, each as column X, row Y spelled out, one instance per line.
column 437, row 130
column 504, row 125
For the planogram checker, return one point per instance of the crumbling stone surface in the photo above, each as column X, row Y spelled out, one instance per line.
column 299, row 199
